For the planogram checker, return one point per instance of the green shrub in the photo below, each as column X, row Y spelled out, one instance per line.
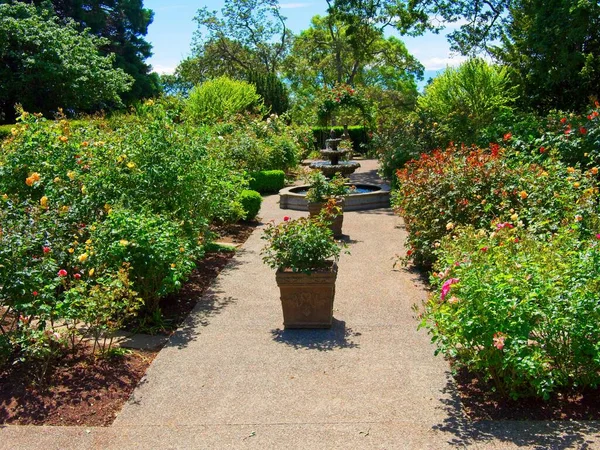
column 463, row 186
column 254, row 144
column 519, row 311
column 464, row 100
column 220, row 99
column 267, row 181
column 159, row 257
column 359, row 135
column 251, row 201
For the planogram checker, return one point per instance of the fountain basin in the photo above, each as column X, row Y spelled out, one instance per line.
column 369, row 196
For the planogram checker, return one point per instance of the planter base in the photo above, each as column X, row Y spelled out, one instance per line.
column 307, row 300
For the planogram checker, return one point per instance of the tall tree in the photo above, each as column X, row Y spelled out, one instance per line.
column 552, row 45
column 247, row 35
column 45, row 65
column 124, row 23
column 553, row 48
column 331, row 52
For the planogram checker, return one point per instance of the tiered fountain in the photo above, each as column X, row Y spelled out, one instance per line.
column 333, row 154
column 362, row 196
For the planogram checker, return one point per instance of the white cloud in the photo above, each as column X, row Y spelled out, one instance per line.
column 437, row 63
column 294, row 5
column 163, row 70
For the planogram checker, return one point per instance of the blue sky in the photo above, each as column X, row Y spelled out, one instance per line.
column 173, row 27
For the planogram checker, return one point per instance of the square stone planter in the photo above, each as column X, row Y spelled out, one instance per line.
column 307, row 299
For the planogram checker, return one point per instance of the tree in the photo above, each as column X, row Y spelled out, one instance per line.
column 248, row 35
column 330, row 52
column 551, row 45
column 553, row 48
column 45, row 65
column 123, row 23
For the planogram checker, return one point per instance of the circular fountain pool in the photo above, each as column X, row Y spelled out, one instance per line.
column 363, row 196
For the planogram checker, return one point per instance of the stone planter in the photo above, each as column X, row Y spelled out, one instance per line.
column 307, row 299
column 314, row 209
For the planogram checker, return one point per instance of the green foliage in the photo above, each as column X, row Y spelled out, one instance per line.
column 301, row 245
column 321, row 189
column 5, row 131
column 267, row 181
column 470, row 186
column 123, row 24
column 273, row 92
column 160, row 258
column 462, row 101
column 553, row 48
column 251, row 201
column 220, row 99
column 47, row 65
column 253, row 144
column 247, row 35
column 519, row 311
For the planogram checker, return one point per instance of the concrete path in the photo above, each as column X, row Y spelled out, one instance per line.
column 232, row 378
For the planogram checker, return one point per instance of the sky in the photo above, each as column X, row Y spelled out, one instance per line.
column 171, row 33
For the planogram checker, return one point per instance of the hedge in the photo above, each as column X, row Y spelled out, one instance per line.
column 267, row 181
column 251, row 201
column 358, row 133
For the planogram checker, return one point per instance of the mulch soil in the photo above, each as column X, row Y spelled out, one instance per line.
column 85, row 390
column 481, row 403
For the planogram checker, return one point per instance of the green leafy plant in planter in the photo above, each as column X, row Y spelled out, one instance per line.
column 321, row 191
column 304, row 253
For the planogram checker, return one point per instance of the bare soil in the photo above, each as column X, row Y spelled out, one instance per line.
column 481, row 403
column 85, row 390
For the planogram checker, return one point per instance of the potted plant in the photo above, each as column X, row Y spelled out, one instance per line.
column 305, row 255
column 322, row 191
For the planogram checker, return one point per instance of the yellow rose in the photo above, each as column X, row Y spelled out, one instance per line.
column 514, row 217
column 594, row 170
column 71, row 250
column 71, row 175
column 83, row 257
column 576, row 184
column 449, row 226
column 131, row 165
column 44, row 202
column 523, row 195
column 124, row 242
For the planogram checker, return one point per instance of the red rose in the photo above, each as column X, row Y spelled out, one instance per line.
column 62, row 273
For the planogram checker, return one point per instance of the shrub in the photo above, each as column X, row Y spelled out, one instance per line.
column 517, row 310
column 463, row 186
column 255, row 145
column 267, row 181
column 251, row 201
column 220, row 99
column 464, row 100
column 159, row 257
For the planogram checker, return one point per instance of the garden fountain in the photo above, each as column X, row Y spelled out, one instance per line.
column 333, row 154
column 362, row 196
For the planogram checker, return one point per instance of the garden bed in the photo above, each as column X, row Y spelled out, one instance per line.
column 479, row 402
column 88, row 391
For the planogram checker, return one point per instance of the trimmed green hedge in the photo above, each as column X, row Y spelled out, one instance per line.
column 251, row 201
column 358, row 133
column 267, row 181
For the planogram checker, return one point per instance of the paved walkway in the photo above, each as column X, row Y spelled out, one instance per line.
column 232, row 378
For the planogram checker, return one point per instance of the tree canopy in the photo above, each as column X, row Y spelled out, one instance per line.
column 45, row 65
column 123, row 23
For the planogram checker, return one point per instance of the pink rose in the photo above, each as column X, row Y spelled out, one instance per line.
column 446, row 287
